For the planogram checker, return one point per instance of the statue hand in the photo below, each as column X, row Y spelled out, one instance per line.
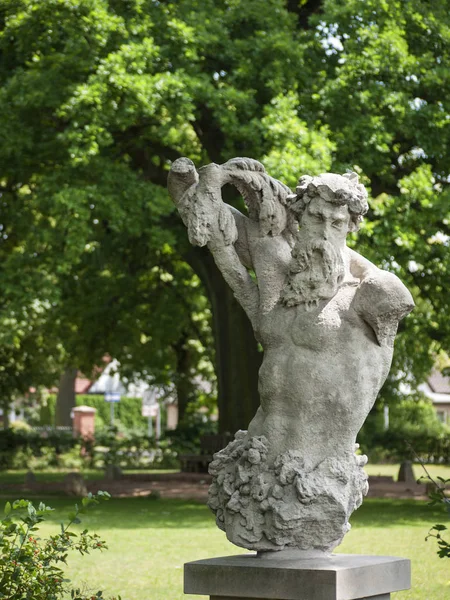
column 199, row 201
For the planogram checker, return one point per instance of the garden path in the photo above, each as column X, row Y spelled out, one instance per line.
column 193, row 486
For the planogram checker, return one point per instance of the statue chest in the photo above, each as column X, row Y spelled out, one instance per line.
column 333, row 321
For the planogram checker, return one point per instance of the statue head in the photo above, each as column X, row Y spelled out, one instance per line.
column 336, row 190
column 327, row 207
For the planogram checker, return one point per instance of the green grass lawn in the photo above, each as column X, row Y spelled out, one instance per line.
column 149, row 540
column 392, row 470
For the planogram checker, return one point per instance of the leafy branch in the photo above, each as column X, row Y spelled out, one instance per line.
column 29, row 565
column 437, row 497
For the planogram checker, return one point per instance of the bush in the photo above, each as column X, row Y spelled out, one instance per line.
column 119, row 445
column 125, row 448
column 133, row 448
column 29, row 565
column 19, row 447
column 20, row 426
column 72, row 459
column 414, row 429
column 438, row 496
column 128, row 411
column 186, row 438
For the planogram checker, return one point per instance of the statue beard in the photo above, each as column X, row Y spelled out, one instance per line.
column 316, row 272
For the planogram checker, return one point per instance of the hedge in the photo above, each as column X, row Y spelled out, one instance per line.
column 128, row 411
column 19, row 446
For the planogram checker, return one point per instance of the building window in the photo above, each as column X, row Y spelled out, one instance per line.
column 442, row 416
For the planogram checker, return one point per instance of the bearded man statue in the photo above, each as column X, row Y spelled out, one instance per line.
column 326, row 318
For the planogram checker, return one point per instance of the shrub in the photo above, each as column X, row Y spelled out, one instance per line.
column 413, row 424
column 438, row 496
column 128, row 411
column 20, row 426
column 19, row 447
column 30, row 566
column 72, row 459
column 133, row 448
column 186, row 438
column 119, row 445
column 125, row 448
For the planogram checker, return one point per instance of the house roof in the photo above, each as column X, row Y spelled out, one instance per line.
column 440, row 384
column 433, row 396
column 82, row 385
column 437, row 388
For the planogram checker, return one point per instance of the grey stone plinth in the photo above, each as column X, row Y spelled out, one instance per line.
column 382, row 597
column 337, row 577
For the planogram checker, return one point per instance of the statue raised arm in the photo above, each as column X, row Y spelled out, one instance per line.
column 260, row 241
column 326, row 318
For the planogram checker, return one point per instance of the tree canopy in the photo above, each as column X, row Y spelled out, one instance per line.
column 97, row 98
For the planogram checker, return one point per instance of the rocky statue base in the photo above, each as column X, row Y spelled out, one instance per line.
column 338, row 577
column 286, row 503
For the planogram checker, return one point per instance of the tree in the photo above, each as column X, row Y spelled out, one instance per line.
column 28, row 358
column 382, row 64
column 85, row 238
column 99, row 97
column 99, row 110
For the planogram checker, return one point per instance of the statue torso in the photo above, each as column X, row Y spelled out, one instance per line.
column 306, row 352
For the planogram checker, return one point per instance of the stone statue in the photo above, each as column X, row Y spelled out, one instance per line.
column 326, row 318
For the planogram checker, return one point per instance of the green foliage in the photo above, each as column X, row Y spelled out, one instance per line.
column 438, row 497
column 20, row 447
column 382, row 90
column 20, row 426
column 414, row 430
column 24, row 357
column 98, row 98
column 294, row 147
column 186, row 438
column 29, row 565
column 85, row 229
column 128, row 411
column 412, row 417
column 436, row 533
column 127, row 448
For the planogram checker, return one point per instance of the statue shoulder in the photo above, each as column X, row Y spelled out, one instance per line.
column 382, row 300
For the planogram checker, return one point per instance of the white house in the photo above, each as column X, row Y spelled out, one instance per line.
column 437, row 389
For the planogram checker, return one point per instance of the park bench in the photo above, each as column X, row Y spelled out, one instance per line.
column 209, row 445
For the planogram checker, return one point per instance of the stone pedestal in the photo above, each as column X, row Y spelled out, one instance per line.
column 337, row 577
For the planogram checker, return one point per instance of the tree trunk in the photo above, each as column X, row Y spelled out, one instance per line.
column 65, row 400
column 183, row 383
column 6, row 409
column 237, row 358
